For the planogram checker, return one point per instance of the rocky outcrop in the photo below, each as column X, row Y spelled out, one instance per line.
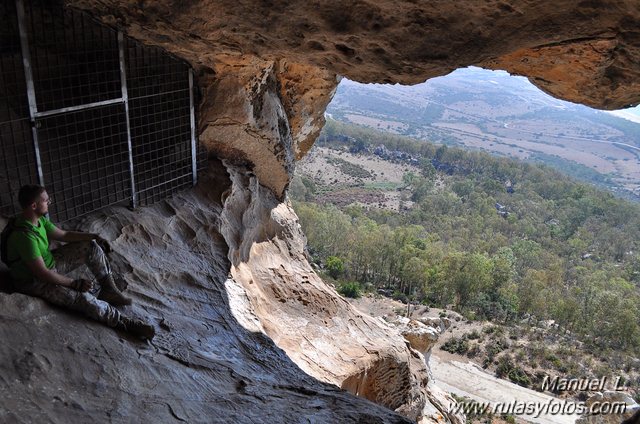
column 326, row 336
column 263, row 114
column 422, row 334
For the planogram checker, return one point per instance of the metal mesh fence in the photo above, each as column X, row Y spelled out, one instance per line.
column 17, row 159
column 159, row 110
column 79, row 112
column 75, row 61
column 85, row 160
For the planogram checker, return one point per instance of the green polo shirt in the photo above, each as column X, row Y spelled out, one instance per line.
column 26, row 245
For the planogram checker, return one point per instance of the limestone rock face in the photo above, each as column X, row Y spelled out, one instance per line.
column 422, row 334
column 566, row 70
column 268, row 69
column 263, row 113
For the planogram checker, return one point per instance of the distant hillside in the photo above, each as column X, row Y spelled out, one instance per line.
column 492, row 238
column 504, row 115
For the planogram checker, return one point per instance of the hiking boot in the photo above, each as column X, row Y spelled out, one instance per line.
column 111, row 294
column 136, row 327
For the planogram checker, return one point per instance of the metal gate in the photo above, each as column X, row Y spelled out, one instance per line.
column 92, row 115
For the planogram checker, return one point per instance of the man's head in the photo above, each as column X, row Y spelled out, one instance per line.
column 34, row 199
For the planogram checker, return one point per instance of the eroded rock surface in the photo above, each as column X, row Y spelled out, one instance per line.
column 210, row 360
column 326, row 336
column 422, row 337
column 422, row 334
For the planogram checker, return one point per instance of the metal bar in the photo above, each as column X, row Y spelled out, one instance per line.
column 192, row 113
column 165, row 182
column 79, row 107
column 159, row 94
column 31, row 92
column 125, row 98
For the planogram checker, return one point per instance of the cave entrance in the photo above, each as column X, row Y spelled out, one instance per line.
column 96, row 117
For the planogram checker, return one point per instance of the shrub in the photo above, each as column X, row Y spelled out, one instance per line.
column 518, row 376
column 456, row 345
column 473, row 351
column 489, row 329
column 350, row 289
column 399, row 296
column 496, row 346
column 335, row 266
column 473, row 335
column 507, row 369
column 504, row 366
column 510, row 419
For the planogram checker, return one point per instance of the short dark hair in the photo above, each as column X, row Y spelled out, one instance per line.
column 28, row 194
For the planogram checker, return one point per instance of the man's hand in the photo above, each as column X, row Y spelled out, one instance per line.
column 104, row 244
column 81, row 285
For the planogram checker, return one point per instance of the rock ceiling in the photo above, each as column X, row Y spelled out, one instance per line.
column 267, row 69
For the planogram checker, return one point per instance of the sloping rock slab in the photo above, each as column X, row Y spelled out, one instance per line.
column 206, row 363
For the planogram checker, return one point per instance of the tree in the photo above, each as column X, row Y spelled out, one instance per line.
column 335, row 266
column 427, row 168
column 422, row 187
column 350, row 289
column 441, row 152
column 408, row 178
column 502, row 269
column 467, row 275
column 413, row 274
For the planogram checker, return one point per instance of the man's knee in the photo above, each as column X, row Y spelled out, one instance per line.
column 72, row 256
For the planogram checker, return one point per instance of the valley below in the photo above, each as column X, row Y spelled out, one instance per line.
column 503, row 115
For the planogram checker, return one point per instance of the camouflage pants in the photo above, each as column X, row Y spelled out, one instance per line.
column 70, row 261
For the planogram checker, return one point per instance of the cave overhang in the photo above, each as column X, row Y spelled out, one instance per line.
column 268, row 70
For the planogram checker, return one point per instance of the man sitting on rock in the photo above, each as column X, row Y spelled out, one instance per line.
column 37, row 272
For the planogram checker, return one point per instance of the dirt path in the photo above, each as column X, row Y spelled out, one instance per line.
column 469, row 380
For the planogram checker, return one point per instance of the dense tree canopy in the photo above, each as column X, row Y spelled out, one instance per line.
column 498, row 239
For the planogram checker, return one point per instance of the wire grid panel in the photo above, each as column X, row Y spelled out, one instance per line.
column 159, row 111
column 17, row 158
column 75, row 60
column 201, row 157
column 85, row 160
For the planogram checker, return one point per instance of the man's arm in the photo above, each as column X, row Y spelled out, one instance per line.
column 42, row 273
column 70, row 236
